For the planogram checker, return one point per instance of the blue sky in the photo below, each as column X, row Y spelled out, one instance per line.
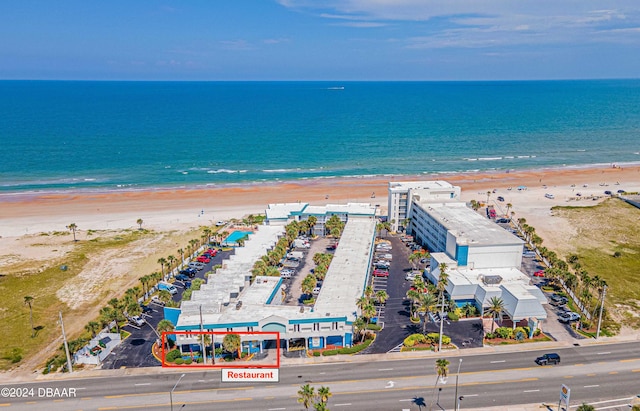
column 319, row 39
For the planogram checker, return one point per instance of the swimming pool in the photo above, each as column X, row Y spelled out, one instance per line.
column 236, row 235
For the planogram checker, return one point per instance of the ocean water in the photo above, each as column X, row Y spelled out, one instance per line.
column 59, row 135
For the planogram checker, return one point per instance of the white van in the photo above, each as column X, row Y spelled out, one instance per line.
column 551, row 196
column 411, row 275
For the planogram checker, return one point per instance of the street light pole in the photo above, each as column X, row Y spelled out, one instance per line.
column 457, row 399
column 604, row 292
column 171, row 392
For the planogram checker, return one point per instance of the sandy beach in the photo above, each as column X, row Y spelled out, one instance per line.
column 176, row 215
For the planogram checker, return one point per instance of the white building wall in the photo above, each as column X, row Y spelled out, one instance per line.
column 495, row 256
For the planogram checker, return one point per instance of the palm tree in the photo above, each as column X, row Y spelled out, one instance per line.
column 442, row 368
column 414, row 296
column 171, row 260
column 359, row 327
column 164, row 296
column 181, row 252
column 231, row 343
column 381, row 298
column 324, row 394
column 139, row 222
column 73, row 227
column 162, row 261
column 496, row 308
column 320, row 406
column 368, row 292
column 144, row 280
column 93, row 327
column 29, row 300
column 165, row 326
column 306, row 395
column 428, row 302
column 509, row 207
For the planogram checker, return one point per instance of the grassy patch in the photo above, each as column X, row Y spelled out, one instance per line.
column 42, row 284
column 608, row 246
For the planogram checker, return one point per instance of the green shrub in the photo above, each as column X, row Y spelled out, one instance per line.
column 504, row 332
column 317, row 353
column 188, row 361
column 414, row 339
column 536, row 332
column 15, row 355
column 453, row 315
column 489, row 335
column 329, row 352
column 179, row 361
column 374, row 327
column 173, row 355
column 523, row 330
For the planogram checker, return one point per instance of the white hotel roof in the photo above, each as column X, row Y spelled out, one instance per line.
column 468, row 224
column 343, row 285
column 282, row 211
column 351, row 208
column 405, row 185
column 347, row 275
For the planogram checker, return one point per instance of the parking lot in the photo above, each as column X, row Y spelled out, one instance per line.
column 135, row 351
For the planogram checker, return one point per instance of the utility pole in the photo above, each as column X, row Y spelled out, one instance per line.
column 204, row 353
column 457, row 400
column 66, row 346
column 604, row 292
column 441, row 321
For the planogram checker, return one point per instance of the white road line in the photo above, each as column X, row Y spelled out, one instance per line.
column 603, row 353
column 341, row 405
column 605, row 401
column 322, row 373
column 385, row 369
column 410, row 399
column 202, row 381
column 81, row 388
column 143, row 383
column 591, row 386
column 276, row 409
column 471, row 395
column 495, row 362
column 613, row 406
column 531, row 391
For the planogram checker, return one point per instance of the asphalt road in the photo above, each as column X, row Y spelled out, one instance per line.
column 594, row 373
column 135, row 351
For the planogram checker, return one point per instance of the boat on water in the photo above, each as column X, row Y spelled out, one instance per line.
column 336, row 88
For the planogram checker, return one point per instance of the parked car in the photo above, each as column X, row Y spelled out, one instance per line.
column 539, row 273
column 550, row 196
column 146, row 309
column 621, row 191
column 156, row 300
column 203, row 259
column 569, row 316
column 182, row 277
column 190, row 272
column 382, row 265
column 502, row 221
column 558, row 299
column 608, row 192
column 220, row 223
column 137, row 320
column 411, row 275
column 212, row 252
column 500, row 198
column 380, row 273
column 550, row 358
column 316, row 291
column 196, row 265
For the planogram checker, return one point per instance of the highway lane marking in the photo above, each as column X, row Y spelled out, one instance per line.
column 635, row 370
column 591, row 375
column 166, row 404
column 385, row 369
column 142, row 383
column 531, row 391
column 177, row 392
column 605, row 401
column 604, row 353
column 591, row 386
column 410, row 399
column 613, row 372
column 471, row 395
column 276, row 409
column 7, row 404
column 630, row 360
column 496, row 362
column 269, row 398
column 342, row 405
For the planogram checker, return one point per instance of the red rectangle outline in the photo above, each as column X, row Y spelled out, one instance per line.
column 224, row 365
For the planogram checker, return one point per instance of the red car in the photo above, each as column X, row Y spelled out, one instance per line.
column 539, row 273
column 212, row 252
column 380, row 273
column 203, row 259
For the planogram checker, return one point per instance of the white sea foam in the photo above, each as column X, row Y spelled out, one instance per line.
column 489, row 158
column 225, row 170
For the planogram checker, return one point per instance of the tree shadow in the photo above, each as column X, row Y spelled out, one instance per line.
column 37, row 329
column 419, row 401
column 478, row 328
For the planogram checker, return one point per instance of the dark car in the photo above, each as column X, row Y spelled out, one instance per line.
column 500, row 198
column 546, row 359
column 146, row 309
column 608, row 192
column 190, row 272
column 558, row 299
column 182, row 277
column 621, row 191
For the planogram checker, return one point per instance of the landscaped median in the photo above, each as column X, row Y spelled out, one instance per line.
column 370, row 338
column 429, row 342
